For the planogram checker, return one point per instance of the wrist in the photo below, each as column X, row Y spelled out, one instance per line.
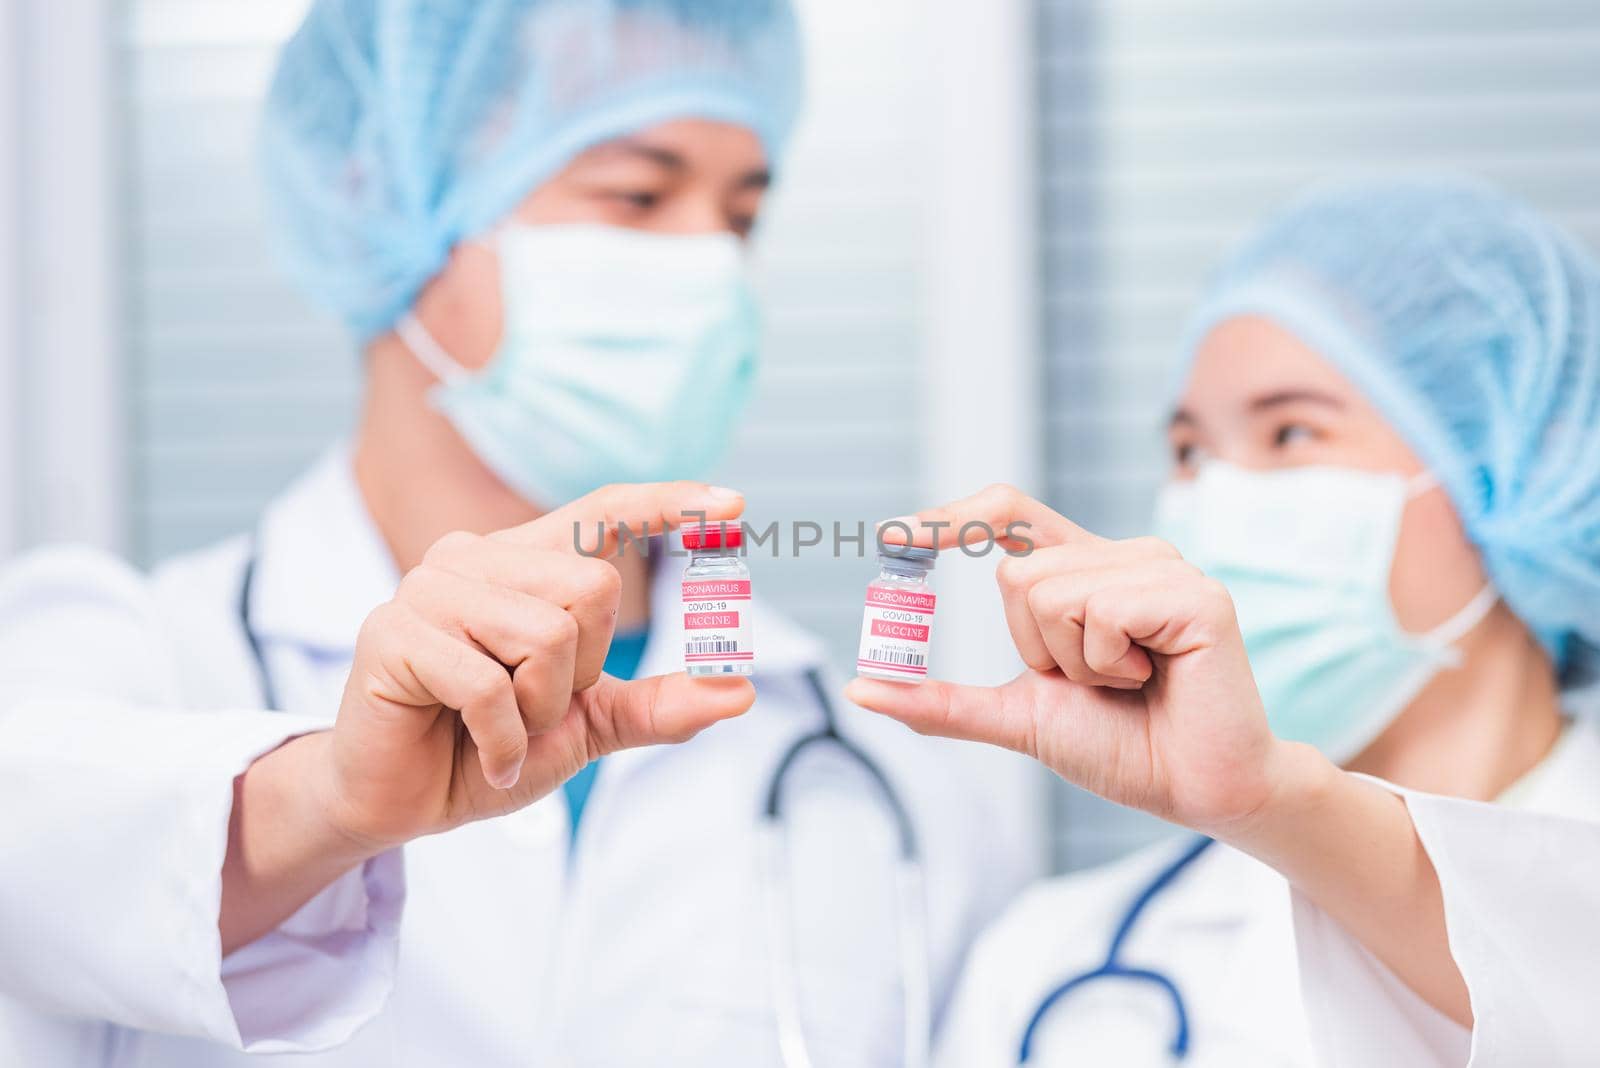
column 306, row 782
column 1301, row 783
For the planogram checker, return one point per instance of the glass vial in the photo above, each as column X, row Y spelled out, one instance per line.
column 899, row 616
column 716, row 601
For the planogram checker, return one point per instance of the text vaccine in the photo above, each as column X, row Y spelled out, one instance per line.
column 899, row 617
column 716, row 601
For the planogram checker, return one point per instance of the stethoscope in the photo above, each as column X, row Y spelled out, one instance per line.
column 916, row 983
column 1113, row 968
column 912, row 937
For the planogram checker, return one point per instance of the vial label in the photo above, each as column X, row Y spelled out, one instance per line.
column 895, row 633
column 716, row 623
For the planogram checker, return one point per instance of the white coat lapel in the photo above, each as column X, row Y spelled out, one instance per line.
column 321, row 564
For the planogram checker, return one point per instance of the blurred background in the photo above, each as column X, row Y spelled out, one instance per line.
column 975, row 268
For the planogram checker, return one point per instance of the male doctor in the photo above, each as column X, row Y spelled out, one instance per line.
column 350, row 789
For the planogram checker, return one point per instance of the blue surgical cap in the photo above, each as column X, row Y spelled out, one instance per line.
column 1473, row 325
column 396, row 128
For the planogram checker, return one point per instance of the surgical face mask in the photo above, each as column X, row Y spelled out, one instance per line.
column 626, row 357
column 1306, row 553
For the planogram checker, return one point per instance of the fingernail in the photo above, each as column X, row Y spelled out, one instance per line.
column 907, row 521
column 723, row 493
column 508, row 780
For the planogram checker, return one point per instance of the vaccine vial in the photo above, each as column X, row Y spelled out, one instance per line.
column 716, row 601
column 899, row 616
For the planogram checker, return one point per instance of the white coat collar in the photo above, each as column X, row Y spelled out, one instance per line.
column 1567, row 781
column 321, row 565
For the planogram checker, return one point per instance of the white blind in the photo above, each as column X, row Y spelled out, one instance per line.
column 1171, row 126
column 236, row 383
column 239, row 384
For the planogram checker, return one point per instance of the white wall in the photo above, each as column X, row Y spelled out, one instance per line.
column 61, row 314
column 10, row 274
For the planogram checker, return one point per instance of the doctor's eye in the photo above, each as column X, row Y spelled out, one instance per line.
column 637, row 199
column 1291, row 434
column 1186, row 456
column 1185, row 452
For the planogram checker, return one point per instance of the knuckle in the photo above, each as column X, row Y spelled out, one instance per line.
column 415, row 582
column 1039, row 659
column 1216, row 599
column 555, row 633
column 599, row 580
column 1003, row 493
column 535, row 689
column 1012, row 573
column 1150, row 545
column 609, row 500
column 1044, row 599
column 488, row 684
column 381, row 622
column 450, row 547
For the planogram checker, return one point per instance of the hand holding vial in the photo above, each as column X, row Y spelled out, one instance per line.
column 1137, row 688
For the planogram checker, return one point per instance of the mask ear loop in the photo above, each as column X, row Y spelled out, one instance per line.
column 422, row 343
column 1420, row 483
column 428, row 352
column 1458, row 626
column 1472, row 613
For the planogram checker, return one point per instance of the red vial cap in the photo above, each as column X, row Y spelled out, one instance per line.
column 717, row 535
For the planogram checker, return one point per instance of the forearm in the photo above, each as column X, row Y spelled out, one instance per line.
column 283, row 848
column 1350, row 847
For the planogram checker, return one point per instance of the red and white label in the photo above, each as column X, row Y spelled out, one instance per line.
column 895, row 632
column 716, row 622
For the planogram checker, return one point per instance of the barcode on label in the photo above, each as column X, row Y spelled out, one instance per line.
column 896, row 656
column 701, row 647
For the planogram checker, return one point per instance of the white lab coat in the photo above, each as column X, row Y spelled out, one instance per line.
column 1269, row 979
column 128, row 705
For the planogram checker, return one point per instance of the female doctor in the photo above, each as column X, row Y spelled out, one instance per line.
column 532, row 215
column 1359, row 679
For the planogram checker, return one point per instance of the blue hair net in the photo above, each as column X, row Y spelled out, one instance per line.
column 396, row 128
column 1473, row 325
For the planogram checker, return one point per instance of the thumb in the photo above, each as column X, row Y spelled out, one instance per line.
column 664, row 708
column 971, row 713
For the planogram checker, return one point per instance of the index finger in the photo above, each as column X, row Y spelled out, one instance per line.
column 593, row 524
column 999, row 513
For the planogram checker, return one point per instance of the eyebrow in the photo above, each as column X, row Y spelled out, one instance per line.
column 672, row 161
column 1266, row 402
column 655, row 153
column 1278, row 398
